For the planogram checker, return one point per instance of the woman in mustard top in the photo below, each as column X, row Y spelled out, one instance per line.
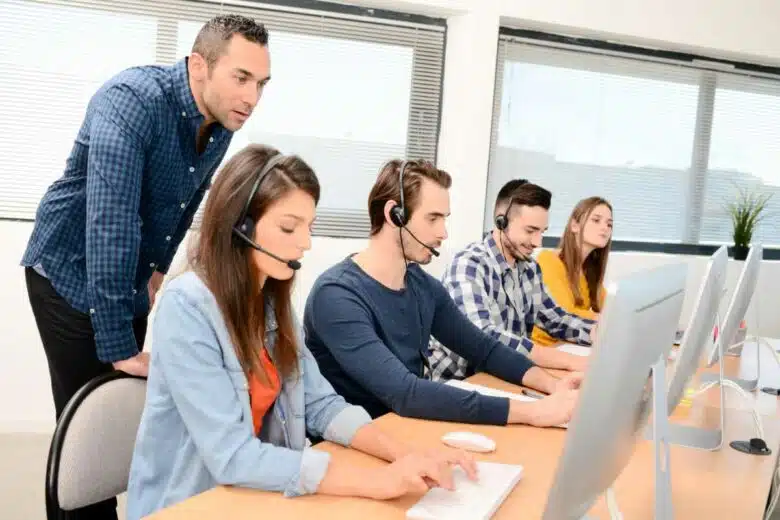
column 574, row 273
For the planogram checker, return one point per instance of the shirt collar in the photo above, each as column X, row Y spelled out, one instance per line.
column 495, row 250
column 181, row 85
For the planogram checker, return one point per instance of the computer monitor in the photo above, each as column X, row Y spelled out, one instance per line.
column 635, row 333
column 740, row 300
column 698, row 334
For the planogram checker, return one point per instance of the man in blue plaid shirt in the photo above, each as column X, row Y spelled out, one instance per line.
column 107, row 230
column 497, row 284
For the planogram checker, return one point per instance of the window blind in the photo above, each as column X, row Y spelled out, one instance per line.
column 666, row 142
column 348, row 92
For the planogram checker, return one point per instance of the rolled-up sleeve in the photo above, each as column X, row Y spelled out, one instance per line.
column 328, row 415
column 344, row 426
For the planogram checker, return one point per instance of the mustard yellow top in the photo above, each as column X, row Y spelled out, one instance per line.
column 557, row 285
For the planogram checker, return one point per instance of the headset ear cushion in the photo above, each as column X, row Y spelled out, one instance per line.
column 501, row 222
column 247, row 227
column 398, row 216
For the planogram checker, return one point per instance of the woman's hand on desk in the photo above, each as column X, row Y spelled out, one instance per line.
column 413, row 473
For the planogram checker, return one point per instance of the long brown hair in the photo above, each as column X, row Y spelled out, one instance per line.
column 571, row 254
column 226, row 266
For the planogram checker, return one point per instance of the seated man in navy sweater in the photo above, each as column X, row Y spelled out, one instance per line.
column 368, row 319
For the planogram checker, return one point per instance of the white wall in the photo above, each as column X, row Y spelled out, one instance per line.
column 724, row 28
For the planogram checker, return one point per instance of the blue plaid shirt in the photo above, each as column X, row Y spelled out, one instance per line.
column 131, row 186
column 474, row 280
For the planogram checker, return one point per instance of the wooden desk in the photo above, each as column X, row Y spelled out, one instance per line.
column 724, row 484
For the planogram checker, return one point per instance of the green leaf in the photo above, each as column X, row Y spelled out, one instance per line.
column 747, row 211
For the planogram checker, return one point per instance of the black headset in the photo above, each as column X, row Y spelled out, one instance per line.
column 245, row 228
column 502, row 220
column 398, row 215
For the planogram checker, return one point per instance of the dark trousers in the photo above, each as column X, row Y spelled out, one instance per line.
column 69, row 342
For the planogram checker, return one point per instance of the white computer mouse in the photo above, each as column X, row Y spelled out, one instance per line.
column 469, row 441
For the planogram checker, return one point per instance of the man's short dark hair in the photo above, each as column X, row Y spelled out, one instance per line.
column 522, row 193
column 215, row 35
column 505, row 193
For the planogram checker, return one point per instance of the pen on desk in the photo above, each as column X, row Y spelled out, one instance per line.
column 531, row 393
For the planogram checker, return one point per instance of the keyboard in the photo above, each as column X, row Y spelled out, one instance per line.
column 470, row 500
column 577, row 350
column 484, row 390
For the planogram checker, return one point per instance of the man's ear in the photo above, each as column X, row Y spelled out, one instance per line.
column 198, row 66
column 389, row 205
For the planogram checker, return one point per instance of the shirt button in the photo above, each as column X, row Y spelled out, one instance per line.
column 92, row 311
column 134, row 291
column 192, row 169
column 184, row 114
column 211, row 139
column 151, row 264
column 168, row 238
column 183, row 205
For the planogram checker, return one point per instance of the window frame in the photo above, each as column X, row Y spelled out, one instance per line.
column 708, row 68
column 422, row 132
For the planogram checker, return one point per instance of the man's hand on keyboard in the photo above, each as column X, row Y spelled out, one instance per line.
column 555, row 409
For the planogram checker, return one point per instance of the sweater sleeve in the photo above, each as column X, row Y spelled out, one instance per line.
column 343, row 323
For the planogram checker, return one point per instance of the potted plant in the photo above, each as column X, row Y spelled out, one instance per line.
column 746, row 212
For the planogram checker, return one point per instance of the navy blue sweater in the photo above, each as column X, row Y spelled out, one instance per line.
column 370, row 342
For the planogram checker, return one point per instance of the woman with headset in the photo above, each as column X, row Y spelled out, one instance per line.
column 574, row 273
column 232, row 389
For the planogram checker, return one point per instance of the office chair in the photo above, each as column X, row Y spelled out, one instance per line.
column 92, row 447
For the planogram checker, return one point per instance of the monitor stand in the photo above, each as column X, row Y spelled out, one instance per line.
column 664, row 509
column 694, row 436
column 748, row 385
column 659, row 426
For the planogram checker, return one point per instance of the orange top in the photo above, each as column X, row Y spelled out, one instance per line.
column 556, row 282
column 261, row 397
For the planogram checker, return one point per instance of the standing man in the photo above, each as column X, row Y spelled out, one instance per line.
column 498, row 285
column 107, row 230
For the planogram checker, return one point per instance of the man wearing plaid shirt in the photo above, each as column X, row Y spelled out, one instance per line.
column 499, row 287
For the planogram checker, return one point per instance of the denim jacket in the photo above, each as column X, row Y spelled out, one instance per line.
column 196, row 430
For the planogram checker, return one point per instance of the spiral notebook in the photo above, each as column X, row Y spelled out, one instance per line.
column 470, row 500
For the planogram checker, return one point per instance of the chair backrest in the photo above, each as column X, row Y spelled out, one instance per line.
column 92, row 447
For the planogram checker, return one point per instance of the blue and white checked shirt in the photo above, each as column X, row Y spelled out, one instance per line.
column 474, row 280
column 131, row 186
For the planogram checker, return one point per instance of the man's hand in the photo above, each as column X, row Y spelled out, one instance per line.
column 155, row 282
column 576, row 363
column 569, row 382
column 137, row 365
column 555, row 409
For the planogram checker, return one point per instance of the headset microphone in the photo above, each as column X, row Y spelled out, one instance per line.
column 426, row 246
column 246, row 225
column 398, row 215
column 292, row 264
